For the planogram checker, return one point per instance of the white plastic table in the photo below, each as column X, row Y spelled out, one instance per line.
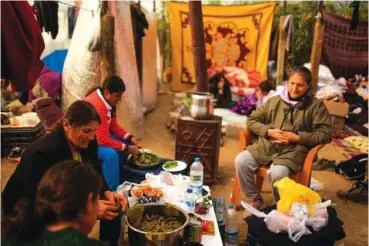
column 207, row 240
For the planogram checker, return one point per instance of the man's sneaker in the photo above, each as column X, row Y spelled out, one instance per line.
column 15, row 153
column 257, row 204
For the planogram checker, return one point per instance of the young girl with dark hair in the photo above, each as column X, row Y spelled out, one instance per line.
column 65, row 209
column 221, row 89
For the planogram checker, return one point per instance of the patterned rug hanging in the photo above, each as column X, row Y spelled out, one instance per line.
column 234, row 36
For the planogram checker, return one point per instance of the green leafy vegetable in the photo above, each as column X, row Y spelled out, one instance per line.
column 146, row 159
column 171, row 165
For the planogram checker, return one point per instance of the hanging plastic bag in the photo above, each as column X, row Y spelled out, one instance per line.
column 291, row 192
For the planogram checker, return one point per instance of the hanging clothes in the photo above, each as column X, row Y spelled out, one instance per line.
column 47, row 16
column 289, row 28
column 21, row 45
column 72, row 19
column 355, row 14
column 139, row 24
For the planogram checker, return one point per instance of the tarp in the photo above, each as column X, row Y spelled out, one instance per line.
column 55, row 60
column 234, row 36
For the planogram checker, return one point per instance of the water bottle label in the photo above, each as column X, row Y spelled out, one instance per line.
column 196, row 179
column 231, row 237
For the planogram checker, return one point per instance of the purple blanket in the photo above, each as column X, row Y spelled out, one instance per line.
column 245, row 106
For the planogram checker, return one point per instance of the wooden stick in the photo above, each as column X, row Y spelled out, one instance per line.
column 198, row 45
column 281, row 51
column 316, row 52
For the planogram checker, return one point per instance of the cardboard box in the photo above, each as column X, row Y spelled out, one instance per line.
column 338, row 112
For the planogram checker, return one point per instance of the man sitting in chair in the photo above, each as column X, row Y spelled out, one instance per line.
column 286, row 127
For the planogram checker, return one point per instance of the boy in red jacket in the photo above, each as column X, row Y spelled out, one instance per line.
column 114, row 142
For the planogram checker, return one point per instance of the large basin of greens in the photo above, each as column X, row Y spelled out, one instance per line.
column 158, row 223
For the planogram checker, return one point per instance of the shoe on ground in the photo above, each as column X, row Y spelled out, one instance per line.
column 15, row 153
column 359, row 194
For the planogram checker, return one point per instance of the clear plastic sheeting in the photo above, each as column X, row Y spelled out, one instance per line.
column 82, row 68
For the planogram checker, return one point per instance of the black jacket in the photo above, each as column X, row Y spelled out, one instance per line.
column 36, row 160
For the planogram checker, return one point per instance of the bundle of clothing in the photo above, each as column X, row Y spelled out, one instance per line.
column 241, row 83
column 21, row 46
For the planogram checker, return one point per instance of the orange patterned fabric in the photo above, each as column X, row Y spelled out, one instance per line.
column 237, row 36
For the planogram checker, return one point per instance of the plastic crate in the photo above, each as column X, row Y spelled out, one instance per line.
column 19, row 137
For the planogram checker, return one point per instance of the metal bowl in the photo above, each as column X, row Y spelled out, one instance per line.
column 171, row 238
column 146, row 166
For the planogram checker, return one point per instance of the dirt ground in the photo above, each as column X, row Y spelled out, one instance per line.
column 162, row 142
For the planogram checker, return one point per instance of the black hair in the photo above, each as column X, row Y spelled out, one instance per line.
column 303, row 72
column 5, row 84
column 266, row 86
column 224, row 100
column 113, row 84
column 61, row 195
column 81, row 113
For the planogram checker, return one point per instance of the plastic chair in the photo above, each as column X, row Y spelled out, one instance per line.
column 48, row 112
column 303, row 177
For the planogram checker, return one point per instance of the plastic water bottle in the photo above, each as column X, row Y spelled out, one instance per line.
column 316, row 185
column 231, row 227
column 196, row 177
column 190, row 198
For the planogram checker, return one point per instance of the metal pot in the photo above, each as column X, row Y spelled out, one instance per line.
column 171, row 238
column 202, row 105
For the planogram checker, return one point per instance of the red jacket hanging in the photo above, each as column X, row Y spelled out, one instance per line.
column 21, row 45
column 108, row 123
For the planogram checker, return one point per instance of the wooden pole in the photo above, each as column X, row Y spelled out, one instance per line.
column 107, row 65
column 281, row 51
column 198, row 45
column 316, row 52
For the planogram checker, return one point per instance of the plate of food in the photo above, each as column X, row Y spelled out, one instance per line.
column 174, row 166
column 145, row 160
column 146, row 194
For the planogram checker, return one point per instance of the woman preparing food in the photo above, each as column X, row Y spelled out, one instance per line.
column 74, row 139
